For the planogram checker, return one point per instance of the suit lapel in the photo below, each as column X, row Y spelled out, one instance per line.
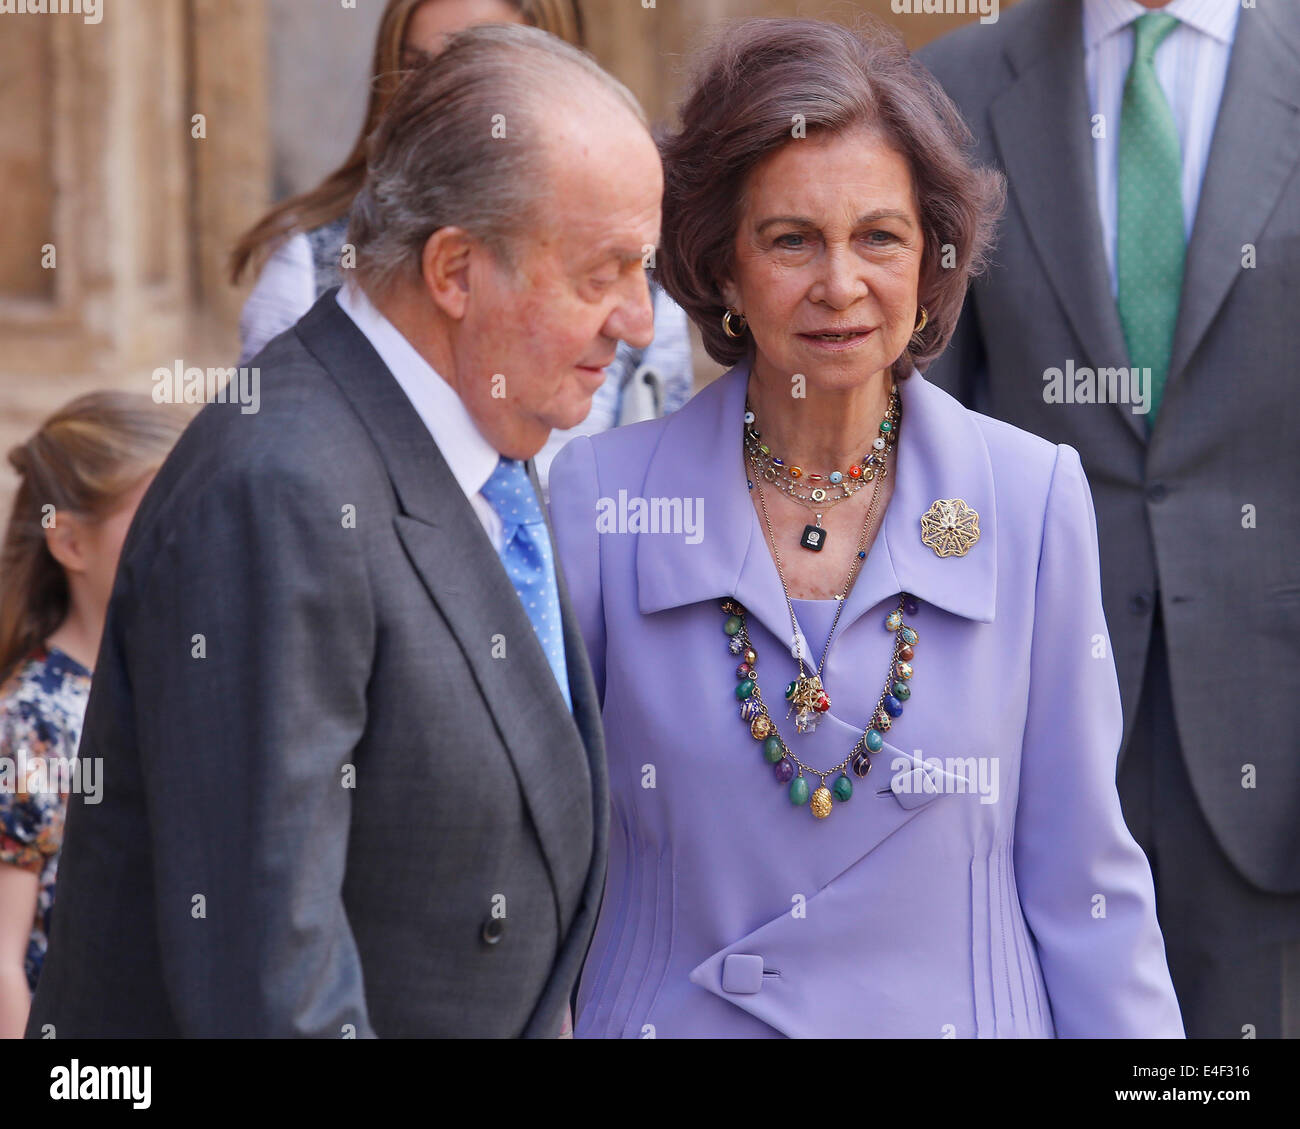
column 1252, row 156
column 1042, row 127
column 464, row 578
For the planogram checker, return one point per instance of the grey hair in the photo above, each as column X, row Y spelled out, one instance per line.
column 437, row 157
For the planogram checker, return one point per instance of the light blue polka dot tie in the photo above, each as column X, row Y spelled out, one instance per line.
column 526, row 554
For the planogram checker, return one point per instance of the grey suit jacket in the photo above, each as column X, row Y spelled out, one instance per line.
column 1202, row 515
column 342, row 794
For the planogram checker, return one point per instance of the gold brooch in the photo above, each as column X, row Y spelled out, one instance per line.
column 950, row 527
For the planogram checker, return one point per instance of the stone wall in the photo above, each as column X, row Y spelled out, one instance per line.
column 121, row 206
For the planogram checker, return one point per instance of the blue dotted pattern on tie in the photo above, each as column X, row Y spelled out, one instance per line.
column 528, row 560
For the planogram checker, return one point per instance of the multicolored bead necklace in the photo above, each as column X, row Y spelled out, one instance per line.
column 821, row 492
column 806, row 693
column 753, row 711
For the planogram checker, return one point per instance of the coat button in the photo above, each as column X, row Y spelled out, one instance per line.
column 493, row 930
column 742, row 974
column 1140, row 604
column 1156, row 492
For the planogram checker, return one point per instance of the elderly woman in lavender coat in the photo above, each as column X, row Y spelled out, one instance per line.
column 861, row 713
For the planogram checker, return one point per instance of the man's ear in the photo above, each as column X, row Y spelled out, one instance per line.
column 66, row 541
column 444, row 267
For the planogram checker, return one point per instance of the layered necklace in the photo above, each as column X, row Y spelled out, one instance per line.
column 819, row 492
column 787, row 766
column 806, row 694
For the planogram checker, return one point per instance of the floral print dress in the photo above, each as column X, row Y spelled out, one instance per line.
column 41, row 708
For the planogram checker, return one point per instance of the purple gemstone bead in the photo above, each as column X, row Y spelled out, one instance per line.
column 784, row 771
column 910, row 606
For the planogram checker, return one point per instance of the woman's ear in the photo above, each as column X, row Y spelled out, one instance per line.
column 66, row 541
column 730, row 296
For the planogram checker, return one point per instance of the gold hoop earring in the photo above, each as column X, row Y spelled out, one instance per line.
column 727, row 328
column 920, row 325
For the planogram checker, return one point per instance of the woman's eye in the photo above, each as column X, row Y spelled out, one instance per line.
column 882, row 237
column 791, row 241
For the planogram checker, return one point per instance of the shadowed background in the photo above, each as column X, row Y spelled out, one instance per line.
column 118, row 219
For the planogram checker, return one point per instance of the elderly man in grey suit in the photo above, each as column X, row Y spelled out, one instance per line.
column 354, row 781
column 1142, row 308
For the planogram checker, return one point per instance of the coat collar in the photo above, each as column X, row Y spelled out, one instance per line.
column 464, row 578
column 941, row 454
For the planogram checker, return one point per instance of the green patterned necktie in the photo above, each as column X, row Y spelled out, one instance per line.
column 1151, row 245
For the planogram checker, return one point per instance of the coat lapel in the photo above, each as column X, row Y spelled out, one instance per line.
column 464, row 578
column 1252, row 156
column 941, row 454
column 1042, row 126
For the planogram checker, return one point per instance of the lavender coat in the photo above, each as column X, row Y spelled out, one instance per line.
column 981, row 880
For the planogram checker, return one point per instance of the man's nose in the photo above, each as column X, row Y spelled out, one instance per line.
column 633, row 319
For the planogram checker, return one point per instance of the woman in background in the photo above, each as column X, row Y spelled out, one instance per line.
column 81, row 477
column 304, row 235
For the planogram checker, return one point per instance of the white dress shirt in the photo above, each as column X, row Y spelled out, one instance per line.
column 1191, row 66
column 471, row 457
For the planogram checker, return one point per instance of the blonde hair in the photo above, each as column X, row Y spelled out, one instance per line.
column 333, row 197
column 82, row 460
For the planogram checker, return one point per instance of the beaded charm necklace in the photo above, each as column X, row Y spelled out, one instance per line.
column 753, row 711
column 821, row 492
column 806, row 693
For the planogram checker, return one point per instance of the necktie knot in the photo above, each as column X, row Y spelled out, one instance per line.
column 1149, row 31
column 509, row 491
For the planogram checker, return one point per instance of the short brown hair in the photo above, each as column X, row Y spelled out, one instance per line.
column 749, row 86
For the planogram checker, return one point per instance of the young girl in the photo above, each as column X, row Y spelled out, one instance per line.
column 81, row 477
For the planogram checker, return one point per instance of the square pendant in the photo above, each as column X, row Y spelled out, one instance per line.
column 814, row 538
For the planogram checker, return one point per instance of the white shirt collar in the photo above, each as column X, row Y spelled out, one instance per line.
column 471, row 458
column 1215, row 18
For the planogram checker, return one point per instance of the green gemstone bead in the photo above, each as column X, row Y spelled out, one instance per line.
column 885, row 425
column 902, row 691
column 773, row 749
column 798, row 791
column 789, row 690
column 843, row 788
column 745, row 689
column 733, row 625
column 765, row 448
column 873, row 740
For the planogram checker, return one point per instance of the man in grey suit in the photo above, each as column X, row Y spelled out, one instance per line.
column 354, row 779
column 1153, row 225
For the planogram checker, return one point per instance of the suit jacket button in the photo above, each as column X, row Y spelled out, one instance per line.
column 494, row 929
column 1140, row 604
